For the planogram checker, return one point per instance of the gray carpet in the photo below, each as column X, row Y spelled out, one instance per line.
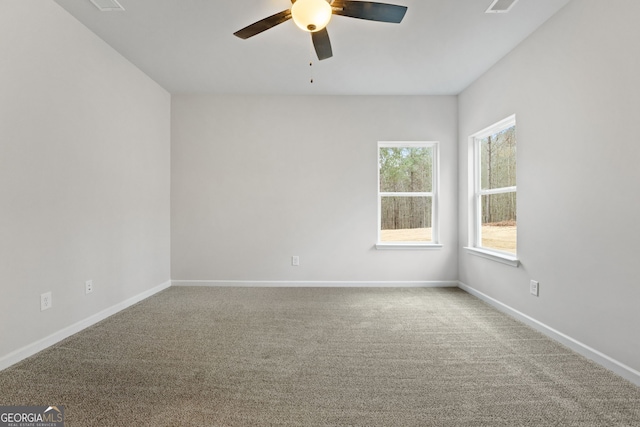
column 318, row 357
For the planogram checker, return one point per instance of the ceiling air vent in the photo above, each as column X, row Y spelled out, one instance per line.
column 108, row 5
column 501, row 6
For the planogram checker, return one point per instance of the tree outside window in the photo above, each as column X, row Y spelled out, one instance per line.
column 407, row 192
column 495, row 216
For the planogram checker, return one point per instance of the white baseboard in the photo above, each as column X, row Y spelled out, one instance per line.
column 317, row 284
column 33, row 348
column 600, row 358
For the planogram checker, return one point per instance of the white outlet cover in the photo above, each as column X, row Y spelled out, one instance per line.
column 88, row 286
column 534, row 287
column 46, row 301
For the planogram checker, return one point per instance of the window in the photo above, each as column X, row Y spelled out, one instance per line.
column 407, row 194
column 494, row 209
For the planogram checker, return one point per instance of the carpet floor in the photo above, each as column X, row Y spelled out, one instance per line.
column 318, row 357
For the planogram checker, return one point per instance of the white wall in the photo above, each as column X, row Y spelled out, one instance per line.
column 575, row 88
column 84, row 174
column 257, row 179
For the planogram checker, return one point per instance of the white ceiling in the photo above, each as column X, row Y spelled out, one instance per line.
column 188, row 46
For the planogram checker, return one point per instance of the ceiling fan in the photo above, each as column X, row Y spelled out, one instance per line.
column 314, row 15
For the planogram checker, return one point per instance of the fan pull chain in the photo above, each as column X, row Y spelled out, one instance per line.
column 311, row 48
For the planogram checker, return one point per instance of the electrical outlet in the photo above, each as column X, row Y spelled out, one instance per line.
column 88, row 286
column 534, row 287
column 45, row 301
column 295, row 260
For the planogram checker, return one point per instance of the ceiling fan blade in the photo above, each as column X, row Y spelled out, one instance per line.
column 322, row 44
column 382, row 12
column 263, row 24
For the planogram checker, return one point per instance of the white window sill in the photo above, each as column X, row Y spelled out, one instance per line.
column 501, row 257
column 407, row 246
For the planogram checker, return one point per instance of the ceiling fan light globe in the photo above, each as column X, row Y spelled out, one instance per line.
column 311, row 15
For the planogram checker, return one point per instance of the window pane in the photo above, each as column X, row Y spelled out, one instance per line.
column 499, row 227
column 406, row 169
column 498, row 159
column 406, row 219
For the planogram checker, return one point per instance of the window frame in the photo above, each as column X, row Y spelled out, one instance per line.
column 475, row 224
column 434, row 194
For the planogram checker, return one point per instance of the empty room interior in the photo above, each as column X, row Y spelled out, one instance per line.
column 315, row 232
